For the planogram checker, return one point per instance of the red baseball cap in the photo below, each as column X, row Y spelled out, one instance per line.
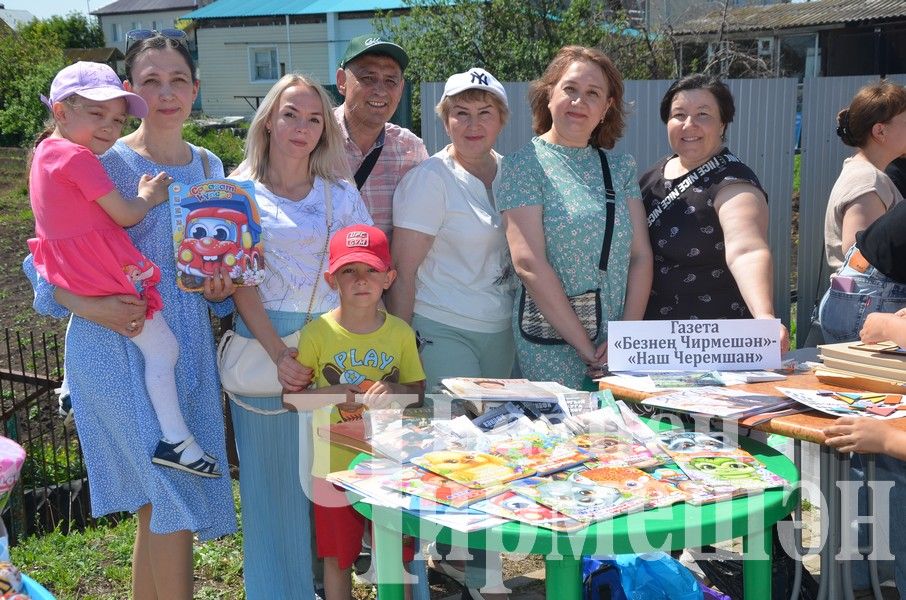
column 359, row 243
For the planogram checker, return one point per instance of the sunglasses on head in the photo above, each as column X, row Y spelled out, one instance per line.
column 137, row 35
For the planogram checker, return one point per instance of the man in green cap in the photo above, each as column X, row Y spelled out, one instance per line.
column 370, row 78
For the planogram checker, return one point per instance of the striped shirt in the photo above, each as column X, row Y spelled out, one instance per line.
column 402, row 151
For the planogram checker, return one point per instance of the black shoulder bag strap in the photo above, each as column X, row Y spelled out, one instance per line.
column 361, row 175
column 611, row 211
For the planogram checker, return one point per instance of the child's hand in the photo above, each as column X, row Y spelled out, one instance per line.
column 858, row 434
column 384, row 394
column 154, row 189
column 293, row 376
column 218, row 287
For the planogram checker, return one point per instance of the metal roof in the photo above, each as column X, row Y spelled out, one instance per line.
column 789, row 16
column 15, row 18
column 143, row 6
column 233, row 9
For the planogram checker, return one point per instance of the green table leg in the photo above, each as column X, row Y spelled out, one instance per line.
column 756, row 564
column 564, row 578
column 388, row 557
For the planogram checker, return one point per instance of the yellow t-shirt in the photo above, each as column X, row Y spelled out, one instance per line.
column 336, row 355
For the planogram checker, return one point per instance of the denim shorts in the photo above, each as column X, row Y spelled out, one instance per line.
column 843, row 308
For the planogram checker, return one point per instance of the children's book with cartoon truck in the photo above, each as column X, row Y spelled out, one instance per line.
column 714, row 460
column 216, row 224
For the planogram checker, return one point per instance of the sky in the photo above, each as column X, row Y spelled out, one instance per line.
column 48, row 8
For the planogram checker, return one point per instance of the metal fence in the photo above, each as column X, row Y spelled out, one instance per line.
column 53, row 488
column 762, row 135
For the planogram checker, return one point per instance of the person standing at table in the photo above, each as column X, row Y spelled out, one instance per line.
column 117, row 424
column 707, row 214
column 574, row 220
column 379, row 153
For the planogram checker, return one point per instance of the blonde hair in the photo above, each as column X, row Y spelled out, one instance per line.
column 442, row 110
column 604, row 135
column 327, row 159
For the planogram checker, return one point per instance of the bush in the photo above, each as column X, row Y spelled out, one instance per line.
column 222, row 142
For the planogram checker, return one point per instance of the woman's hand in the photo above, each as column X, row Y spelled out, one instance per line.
column 218, row 287
column 292, row 375
column 877, row 326
column 122, row 313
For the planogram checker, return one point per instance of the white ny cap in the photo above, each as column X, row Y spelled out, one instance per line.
column 475, row 78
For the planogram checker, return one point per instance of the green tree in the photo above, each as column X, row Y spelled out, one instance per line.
column 516, row 40
column 75, row 30
column 28, row 63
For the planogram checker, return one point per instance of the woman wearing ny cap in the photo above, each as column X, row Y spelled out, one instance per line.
column 454, row 280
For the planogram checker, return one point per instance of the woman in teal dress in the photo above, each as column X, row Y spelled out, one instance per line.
column 552, row 197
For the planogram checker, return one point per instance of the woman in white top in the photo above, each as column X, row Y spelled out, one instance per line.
column 875, row 124
column 294, row 154
column 454, row 281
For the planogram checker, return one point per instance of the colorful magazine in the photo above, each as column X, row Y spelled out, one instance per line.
column 424, row 484
column 488, row 389
column 634, row 482
column 216, row 224
column 877, row 405
column 714, row 461
column 515, row 507
column 579, row 498
column 476, row 470
column 539, row 454
column 617, row 449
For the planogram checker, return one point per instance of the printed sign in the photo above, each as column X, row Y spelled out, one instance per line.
column 693, row 345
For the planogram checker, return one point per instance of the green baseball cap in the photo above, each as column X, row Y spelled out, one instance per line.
column 374, row 44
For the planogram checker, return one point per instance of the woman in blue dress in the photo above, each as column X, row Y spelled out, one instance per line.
column 116, row 423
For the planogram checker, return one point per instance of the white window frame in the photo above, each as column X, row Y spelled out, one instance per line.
column 275, row 55
column 117, row 33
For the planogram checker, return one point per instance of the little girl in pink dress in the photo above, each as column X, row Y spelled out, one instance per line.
column 81, row 245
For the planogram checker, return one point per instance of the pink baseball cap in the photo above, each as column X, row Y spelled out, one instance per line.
column 359, row 243
column 95, row 81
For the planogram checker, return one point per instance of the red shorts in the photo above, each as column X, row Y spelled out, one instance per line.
column 339, row 527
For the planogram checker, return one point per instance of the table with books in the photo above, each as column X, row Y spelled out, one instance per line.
column 562, row 485
column 839, row 387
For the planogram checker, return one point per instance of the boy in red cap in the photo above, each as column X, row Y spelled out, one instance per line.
column 355, row 350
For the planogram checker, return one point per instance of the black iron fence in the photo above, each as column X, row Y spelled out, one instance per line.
column 53, row 488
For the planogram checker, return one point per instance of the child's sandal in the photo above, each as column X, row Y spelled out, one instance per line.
column 168, row 455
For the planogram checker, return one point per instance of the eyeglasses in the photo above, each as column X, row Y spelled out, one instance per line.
column 170, row 33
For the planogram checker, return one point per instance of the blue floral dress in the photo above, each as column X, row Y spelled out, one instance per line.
column 568, row 184
column 116, row 423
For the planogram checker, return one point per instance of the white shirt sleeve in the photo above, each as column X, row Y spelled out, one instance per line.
column 420, row 201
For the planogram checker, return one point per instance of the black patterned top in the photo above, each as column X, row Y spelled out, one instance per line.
column 691, row 277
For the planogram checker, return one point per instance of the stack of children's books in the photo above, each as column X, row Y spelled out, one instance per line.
column 561, row 476
column 873, row 367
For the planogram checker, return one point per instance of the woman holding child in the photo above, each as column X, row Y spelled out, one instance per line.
column 294, row 155
column 574, row 220
column 116, row 421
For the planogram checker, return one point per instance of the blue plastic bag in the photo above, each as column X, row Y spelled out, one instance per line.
column 651, row 576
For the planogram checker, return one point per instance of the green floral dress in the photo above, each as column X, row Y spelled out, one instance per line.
column 568, row 184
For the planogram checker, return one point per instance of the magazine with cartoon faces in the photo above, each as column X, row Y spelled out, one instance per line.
column 471, row 469
column 714, row 460
column 580, row 499
column 425, row 484
column 635, row 482
column 510, row 505
column 539, row 454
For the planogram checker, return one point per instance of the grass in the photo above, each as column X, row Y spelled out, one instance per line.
column 96, row 564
